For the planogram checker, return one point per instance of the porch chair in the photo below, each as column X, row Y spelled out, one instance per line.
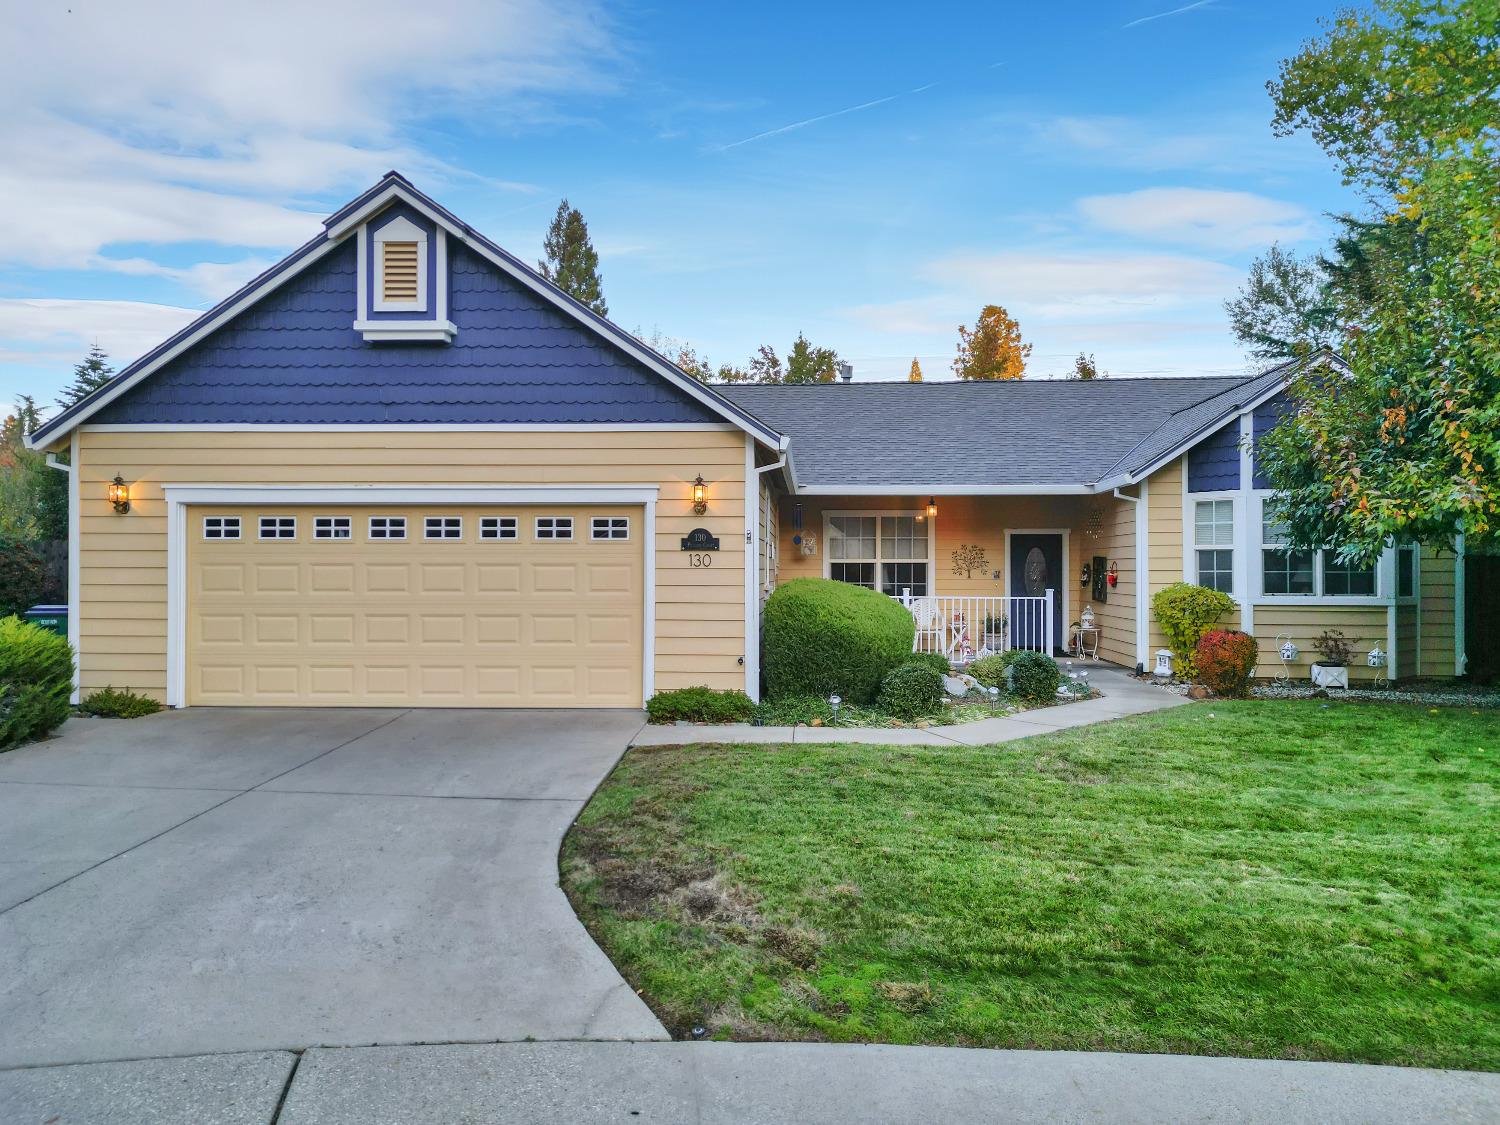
column 932, row 629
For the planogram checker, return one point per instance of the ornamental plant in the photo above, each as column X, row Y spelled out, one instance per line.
column 1185, row 612
column 36, row 678
column 1226, row 661
column 1335, row 648
column 831, row 638
column 911, row 691
column 695, row 705
column 110, row 703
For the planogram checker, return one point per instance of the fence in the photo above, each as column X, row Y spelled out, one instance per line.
column 962, row 628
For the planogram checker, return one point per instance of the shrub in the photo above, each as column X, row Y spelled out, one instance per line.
column 934, row 660
column 1186, row 612
column 36, row 678
column 1334, row 647
column 990, row 670
column 699, row 705
column 824, row 637
column 793, row 709
column 23, row 577
column 107, row 703
column 911, row 691
column 1036, row 675
column 1226, row 661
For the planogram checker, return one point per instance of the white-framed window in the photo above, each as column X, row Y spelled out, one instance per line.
column 1308, row 574
column 443, row 527
column 278, row 527
column 221, row 527
column 497, row 527
column 554, row 527
column 888, row 552
column 1407, row 571
column 1213, row 544
column 387, row 527
column 333, row 527
column 609, row 527
column 400, row 274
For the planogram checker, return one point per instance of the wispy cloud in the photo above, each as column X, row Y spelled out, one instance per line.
column 822, row 117
column 1209, row 220
column 1164, row 15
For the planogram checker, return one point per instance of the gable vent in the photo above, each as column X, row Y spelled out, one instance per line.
column 398, row 277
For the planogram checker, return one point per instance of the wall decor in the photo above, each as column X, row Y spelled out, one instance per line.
column 969, row 557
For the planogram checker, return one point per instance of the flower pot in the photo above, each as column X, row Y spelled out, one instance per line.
column 1330, row 675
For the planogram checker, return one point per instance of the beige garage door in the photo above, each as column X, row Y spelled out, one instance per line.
column 412, row 606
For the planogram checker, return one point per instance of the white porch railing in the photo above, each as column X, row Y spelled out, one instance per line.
column 962, row 628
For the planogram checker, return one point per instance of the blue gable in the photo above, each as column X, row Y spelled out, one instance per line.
column 1214, row 463
column 1267, row 414
column 295, row 358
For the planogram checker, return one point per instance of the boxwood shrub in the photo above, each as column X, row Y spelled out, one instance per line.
column 36, row 678
column 824, row 637
column 911, row 691
column 934, row 660
column 1035, row 674
column 699, row 705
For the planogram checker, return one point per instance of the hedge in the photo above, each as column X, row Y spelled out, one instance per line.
column 36, row 679
column 911, row 691
column 699, row 705
column 110, row 703
column 824, row 637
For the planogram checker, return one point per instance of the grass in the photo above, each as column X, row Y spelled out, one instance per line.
column 1269, row 879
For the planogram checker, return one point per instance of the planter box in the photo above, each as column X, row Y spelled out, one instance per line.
column 1330, row 676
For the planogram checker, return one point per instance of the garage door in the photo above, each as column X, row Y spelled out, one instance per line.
column 411, row 606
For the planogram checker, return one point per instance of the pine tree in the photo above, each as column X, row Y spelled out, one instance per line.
column 915, row 374
column 572, row 263
column 88, row 377
column 992, row 349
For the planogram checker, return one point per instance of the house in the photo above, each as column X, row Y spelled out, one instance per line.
column 400, row 468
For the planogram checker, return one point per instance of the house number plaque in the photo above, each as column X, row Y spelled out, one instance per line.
column 700, row 542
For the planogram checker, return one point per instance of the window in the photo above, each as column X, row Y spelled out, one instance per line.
column 1406, row 570
column 554, row 527
column 332, row 527
column 610, row 527
column 1342, row 579
column 443, row 527
column 387, row 527
column 1284, row 571
column 221, row 527
column 885, row 553
column 497, row 527
column 1213, row 537
column 278, row 527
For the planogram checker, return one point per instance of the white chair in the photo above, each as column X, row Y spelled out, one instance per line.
column 932, row 629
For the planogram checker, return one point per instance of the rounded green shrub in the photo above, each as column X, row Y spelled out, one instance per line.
column 934, row 660
column 1226, row 661
column 1036, row 675
column 699, row 705
column 108, row 703
column 990, row 670
column 911, row 691
column 36, row 679
column 824, row 637
column 1187, row 611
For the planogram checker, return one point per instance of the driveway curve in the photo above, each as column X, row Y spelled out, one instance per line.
column 213, row 880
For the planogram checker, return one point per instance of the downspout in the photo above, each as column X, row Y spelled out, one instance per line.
column 752, row 574
column 1142, row 576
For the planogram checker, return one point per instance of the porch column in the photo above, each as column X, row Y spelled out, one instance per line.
column 1143, row 577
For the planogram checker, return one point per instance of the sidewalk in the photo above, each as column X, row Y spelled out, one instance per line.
column 1122, row 694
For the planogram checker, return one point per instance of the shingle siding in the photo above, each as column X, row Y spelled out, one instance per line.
column 1214, row 463
column 1267, row 414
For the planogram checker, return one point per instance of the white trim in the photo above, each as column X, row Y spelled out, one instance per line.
column 1143, row 575
column 1191, row 546
column 919, row 514
column 441, row 331
column 752, row 578
column 440, row 275
column 946, row 490
column 611, row 538
column 405, row 231
column 180, row 496
column 1061, row 616
column 1242, row 569
column 418, row 427
column 75, row 552
column 1460, row 624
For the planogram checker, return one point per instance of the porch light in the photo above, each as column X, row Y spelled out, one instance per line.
column 119, row 494
column 700, row 496
column 932, row 506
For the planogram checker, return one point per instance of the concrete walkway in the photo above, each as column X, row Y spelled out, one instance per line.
column 1121, row 695
column 755, row 1083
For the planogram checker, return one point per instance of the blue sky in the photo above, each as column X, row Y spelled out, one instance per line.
column 868, row 174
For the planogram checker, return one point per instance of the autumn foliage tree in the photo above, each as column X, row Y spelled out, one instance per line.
column 915, row 374
column 992, row 349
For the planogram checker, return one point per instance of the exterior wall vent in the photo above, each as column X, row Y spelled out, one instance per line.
column 398, row 272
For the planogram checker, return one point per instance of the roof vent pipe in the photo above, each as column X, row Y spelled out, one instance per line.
column 846, row 372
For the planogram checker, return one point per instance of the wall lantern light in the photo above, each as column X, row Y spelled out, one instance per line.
column 700, row 496
column 119, row 494
column 932, row 505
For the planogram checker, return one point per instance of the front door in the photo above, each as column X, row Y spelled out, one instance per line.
column 1035, row 568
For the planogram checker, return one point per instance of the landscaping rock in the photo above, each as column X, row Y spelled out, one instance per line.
column 955, row 686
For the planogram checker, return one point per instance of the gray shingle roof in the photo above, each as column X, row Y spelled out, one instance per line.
column 924, row 436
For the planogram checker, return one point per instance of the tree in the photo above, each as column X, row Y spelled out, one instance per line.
column 33, row 497
column 1406, row 444
column 807, row 364
column 765, row 366
column 1084, row 367
column 993, row 348
column 88, row 376
column 915, row 374
column 572, row 263
column 1284, row 309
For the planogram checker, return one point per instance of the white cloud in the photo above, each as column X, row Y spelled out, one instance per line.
column 1217, row 220
column 1234, row 145
column 51, row 329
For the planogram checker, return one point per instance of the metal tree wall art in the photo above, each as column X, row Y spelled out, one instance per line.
column 968, row 558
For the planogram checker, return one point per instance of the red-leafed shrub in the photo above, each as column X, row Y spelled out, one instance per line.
column 1226, row 661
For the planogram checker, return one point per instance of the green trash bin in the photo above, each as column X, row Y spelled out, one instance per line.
column 53, row 617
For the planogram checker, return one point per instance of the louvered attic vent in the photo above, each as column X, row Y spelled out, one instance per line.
column 398, row 279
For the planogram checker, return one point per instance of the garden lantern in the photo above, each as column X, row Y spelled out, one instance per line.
column 1289, row 653
column 1163, row 663
column 835, row 701
column 1376, row 658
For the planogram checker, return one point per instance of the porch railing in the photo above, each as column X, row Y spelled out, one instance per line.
column 962, row 628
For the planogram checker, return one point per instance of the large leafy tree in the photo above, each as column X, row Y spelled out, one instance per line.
column 1284, row 308
column 992, row 349
column 88, row 376
column 571, row 262
column 1406, row 443
column 808, row 364
column 33, row 497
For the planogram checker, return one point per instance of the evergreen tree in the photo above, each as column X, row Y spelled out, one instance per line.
column 572, row 263
column 915, row 374
column 993, row 348
column 88, row 377
column 1284, row 309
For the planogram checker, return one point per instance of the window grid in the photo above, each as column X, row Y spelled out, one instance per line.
column 610, row 527
column 1216, row 570
column 221, row 527
column 443, row 527
column 1213, row 537
column 1315, row 574
column 278, row 527
column 554, row 527
column 1342, row 579
column 497, row 527
column 387, row 527
column 892, row 549
column 333, row 527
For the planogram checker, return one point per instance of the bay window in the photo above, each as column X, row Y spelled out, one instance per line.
column 879, row 552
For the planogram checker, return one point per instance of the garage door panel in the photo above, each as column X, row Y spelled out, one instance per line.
column 387, row 578
column 274, row 628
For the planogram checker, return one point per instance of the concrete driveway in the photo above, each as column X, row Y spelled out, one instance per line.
column 212, row 881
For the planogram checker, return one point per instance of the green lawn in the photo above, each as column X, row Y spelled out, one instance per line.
column 1261, row 878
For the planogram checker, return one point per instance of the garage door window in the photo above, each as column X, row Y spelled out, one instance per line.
column 333, row 527
column 497, row 527
column 221, row 527
column 554, row 527
column 610, row 527
column 278, row 527
column 387, row 527
column 443, row 527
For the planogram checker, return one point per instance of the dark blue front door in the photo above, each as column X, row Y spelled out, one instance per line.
column 1035, row 568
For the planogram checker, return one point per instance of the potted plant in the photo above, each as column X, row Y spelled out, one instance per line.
column 994, row 632
column 1336, row 650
